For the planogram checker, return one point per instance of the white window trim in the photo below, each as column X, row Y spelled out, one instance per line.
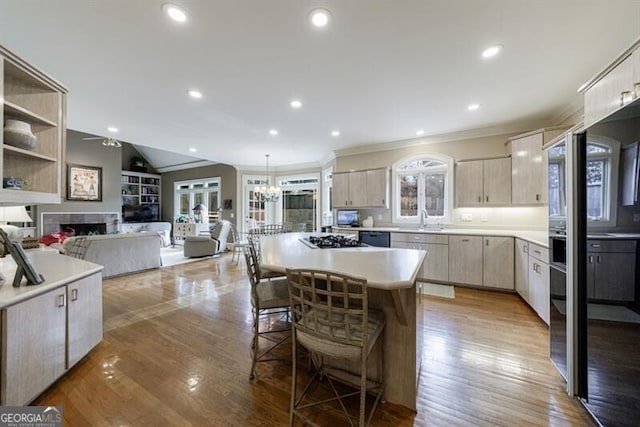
column 177, row 192
column 396, row 218
column 308, row 185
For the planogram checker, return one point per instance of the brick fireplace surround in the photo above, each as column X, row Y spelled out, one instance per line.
column 50, row 221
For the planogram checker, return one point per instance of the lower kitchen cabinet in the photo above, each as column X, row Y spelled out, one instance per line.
column 33, row 346
column 45, row 335
column 465, row 259
column 497, row 257
column 521, row 270
column 436, row 263
column 611, row 270
column 539, row 281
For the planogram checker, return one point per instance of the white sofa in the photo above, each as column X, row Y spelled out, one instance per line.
column 122, row 253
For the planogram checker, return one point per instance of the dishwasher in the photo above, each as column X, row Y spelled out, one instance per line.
column 375, row 238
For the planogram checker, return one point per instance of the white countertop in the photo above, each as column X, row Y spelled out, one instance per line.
column 58, row 270
column 538, row 237
column 384, row 268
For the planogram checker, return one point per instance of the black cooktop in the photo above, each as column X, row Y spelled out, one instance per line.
column 332, row 241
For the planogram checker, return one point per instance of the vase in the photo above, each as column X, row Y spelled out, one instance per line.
column 18, row 134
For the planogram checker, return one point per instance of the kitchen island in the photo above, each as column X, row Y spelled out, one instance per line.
column 391, row 279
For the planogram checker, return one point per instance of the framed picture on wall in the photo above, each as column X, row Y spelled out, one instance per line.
column 84, row 183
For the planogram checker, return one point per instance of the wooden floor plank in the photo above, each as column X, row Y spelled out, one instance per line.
column 176, row 352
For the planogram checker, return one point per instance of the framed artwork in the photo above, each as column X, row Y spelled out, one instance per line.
column 84, row 183
column 228, row 204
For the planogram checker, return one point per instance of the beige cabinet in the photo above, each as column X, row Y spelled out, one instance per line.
column 31, row 175
column 611, row 92
column 529, row 166
column 521, row 269
column 465, row 259
column 436, row 262
column 497, row 258
column 40, row 333
column 360, row 189
column 84, row 314
column 539, row 281
column 483, row 182
column 33, row 346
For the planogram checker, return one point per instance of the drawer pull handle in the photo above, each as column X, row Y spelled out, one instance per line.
column 590, row 259
column 62, row 300
column 535, row 251
column 464, row 240
column 625, row 97
column 479, row 198
column 537, row 197
column 593, row 245
column 74, row 295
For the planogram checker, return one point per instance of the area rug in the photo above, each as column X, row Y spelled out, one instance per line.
column 175, row 255
column 612, row 313
column 436, row 290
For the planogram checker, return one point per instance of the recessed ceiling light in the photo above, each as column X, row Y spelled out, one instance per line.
column 296, row 104
column 319, row 17
column 175, row 12
column 473, row 107
column 273, row 132
column 419, row 132
column 112, row 129
column 195, row 94
column 335, row 133
column 193, row 150
column 492, row 51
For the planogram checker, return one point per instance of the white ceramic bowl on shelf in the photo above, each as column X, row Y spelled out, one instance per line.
column 18, row 134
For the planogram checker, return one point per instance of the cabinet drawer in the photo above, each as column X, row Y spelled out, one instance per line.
column 539, row 252
column 442, row 239
column 611, row 245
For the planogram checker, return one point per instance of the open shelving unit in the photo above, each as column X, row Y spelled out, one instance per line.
column 140, row 189
column 31, row 96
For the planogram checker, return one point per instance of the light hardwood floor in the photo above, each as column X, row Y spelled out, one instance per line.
column 176, row 352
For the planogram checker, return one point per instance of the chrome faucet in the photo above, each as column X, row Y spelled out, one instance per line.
column 423, row 218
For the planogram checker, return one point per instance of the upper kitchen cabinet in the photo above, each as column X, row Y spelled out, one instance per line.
column 529, row 166
column 483, row 182
column 31, row 174
column 361, row 189
column 613, row 88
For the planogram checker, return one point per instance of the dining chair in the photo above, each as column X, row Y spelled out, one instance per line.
column 330, row 317
column 269, row 299
column 78, row 247
column 238, row 245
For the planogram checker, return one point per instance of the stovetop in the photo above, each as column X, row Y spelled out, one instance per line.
column 331, row 241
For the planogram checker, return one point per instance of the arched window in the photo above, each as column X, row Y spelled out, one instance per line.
column 423, row 183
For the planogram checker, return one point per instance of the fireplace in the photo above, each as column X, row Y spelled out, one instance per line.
column 52, row 222
column 86, row 228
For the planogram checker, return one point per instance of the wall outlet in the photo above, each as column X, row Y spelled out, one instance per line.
column 466, row 217
column 232, row 215
column 484, row 217
column 636, row 217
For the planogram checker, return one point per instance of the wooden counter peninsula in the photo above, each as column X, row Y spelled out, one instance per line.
column 391, row 279
column 46, row 328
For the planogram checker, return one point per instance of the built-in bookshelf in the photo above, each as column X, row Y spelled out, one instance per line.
column 140, row 193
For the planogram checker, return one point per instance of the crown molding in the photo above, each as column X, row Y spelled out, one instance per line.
column 188, row 165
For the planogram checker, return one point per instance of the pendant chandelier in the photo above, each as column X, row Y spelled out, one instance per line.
column 269, row 192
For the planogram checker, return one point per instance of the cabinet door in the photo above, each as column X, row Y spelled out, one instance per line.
column 465, row 259
column 469, row 183
column 498, row 262
column 85, row 316
column 436, row 263
column 33, row 346
column 539, row 288
column 340, row 190
column 377, row 185
column 522, row 269
column 615, row 276
column 358, row 189
column 604, row 97
column 497, row 181
column 527, row 171
column 591, row 275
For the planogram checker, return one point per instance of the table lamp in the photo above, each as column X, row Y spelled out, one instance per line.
column 198, row 212
column 13, row 214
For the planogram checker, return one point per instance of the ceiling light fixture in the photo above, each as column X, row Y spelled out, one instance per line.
column 492, row 51
column 112, row 129
column 419, row 132
column 175, row 12
column 319, row 17
column 296, row 104
column 473, row 107
column 111, row 142
column 193, row 150
column 195, row 94
column 273, row 132
column 335, row 133
column 270, row 193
